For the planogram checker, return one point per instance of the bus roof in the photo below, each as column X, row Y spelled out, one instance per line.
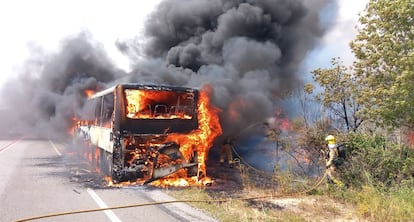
column 103, row 92
column 143, row 86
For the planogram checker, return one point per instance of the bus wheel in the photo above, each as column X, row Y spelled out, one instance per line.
column 106, row 163
column 116, row 176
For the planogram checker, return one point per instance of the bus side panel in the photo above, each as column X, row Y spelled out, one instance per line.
column 101, row 137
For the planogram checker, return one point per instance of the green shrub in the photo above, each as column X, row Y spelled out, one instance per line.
column 374, row 161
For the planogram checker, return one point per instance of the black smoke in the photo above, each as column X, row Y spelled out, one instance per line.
column 42, row 99
column 249, row 51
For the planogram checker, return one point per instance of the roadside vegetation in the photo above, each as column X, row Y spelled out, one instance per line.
column 369, row 108
column 379, row 178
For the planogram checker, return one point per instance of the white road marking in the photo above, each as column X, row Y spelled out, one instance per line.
column 111, row 215
column 9, row 145
column 54, row 147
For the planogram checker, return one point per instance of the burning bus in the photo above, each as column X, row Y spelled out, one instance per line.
column 145, row 133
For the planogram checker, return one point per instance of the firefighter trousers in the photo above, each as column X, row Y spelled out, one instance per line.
column 226, row 152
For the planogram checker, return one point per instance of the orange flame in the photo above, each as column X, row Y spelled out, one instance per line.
column 138, row 105
column 89, row 92
column 202, row 139
column 280, row 121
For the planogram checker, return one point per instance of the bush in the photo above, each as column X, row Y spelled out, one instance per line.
column 374, row 161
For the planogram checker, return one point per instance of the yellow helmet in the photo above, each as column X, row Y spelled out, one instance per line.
column 330, row 139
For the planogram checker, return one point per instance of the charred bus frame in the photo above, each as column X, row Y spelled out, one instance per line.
column 129, row 129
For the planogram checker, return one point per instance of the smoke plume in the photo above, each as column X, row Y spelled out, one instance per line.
column 249, row 51
column 44, row 97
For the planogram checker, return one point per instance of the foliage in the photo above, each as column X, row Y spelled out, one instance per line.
column 376, row 162
column 313, row 138
column 338, row 93
column 385, row 62
column 309, row 108
column 379, row 175
column 378, row 172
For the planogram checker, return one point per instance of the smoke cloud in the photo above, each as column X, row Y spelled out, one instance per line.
column 44, row 97
column 249, row 51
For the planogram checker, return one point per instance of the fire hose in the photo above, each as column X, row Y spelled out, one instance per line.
column 172, row 201
column 317, row 184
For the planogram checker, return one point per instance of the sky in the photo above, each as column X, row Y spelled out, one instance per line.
column 45, row 23
column 336, row 42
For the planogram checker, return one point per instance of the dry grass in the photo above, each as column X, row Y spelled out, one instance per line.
column 330, row 203
column 299, row 208
column 235, row 209
column 303, row 208
column 374, row 205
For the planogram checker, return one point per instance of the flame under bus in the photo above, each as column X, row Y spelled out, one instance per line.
column 130, row 129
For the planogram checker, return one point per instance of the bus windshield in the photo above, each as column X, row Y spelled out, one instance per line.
column 159, row 104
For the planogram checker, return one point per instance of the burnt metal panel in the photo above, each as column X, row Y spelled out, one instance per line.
column 158, row 126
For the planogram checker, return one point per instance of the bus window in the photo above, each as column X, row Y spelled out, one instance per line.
column 160, row 110
column 104, row 107
column 108, row 109
column 159, row 104
column 98, row 106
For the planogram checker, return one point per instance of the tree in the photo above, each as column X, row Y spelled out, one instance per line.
column 311, row 109
column 338, row 94
column 385, row 62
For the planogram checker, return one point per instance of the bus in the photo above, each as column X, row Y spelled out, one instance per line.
column 128, row 129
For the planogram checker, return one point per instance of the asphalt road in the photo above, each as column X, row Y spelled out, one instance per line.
column 41, row 177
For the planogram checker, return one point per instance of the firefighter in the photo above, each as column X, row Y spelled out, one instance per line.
column 331, row 171
column 226, row 151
